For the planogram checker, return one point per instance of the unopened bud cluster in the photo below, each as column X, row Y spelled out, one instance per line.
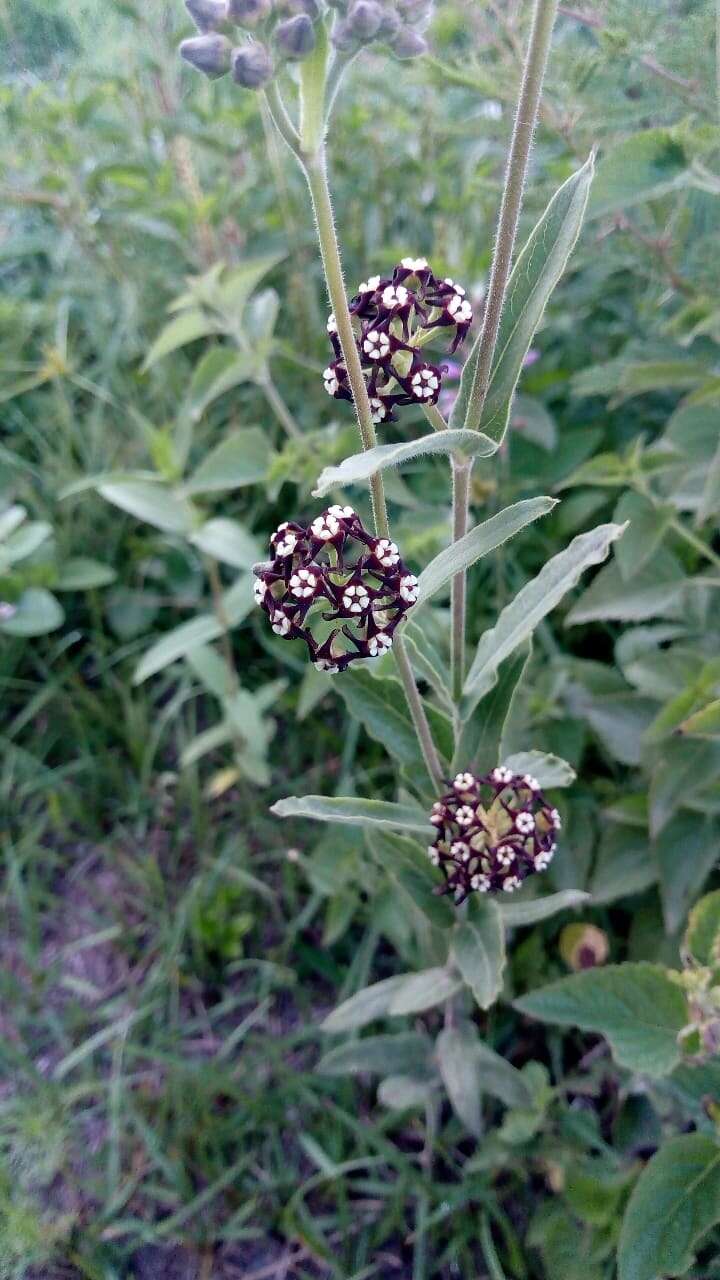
column 393, row 318
column 276, row 31
column 336, row 586
column 493, row 832
column 397, row 23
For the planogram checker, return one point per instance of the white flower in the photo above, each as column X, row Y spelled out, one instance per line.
column 424, row 384
column 355, row 599
column 556, row 819
column 323, row 664
column 501, row 774
column 284, row 542
column 457, row 287
column 394, row 295
column 340, row 513
column 531, row 782
column 376, row 344
column 331, row 381
column 505, row 855
column 369, row 285
column 433, row 855
column 409, row 588
column 379, row 644
column 331, row 325
column 259, row 590
column 460, row 310
column 510, row 883
column 414, row 264
column 379, row 411
column 303, row 584
column 459, row 849
column 280, row 624
column 325, row 527
column 465, row 816
column 525, row 823
column 463, row 782
column 481, row 883
column 437, row 814
column 543, row 859
column 386, row 553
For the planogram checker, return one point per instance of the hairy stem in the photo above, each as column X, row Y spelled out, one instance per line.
column 461, row 473
column 525, row 119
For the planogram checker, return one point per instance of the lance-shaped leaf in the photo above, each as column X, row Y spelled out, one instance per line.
column 355, row 812
column 517, row 914
column 424, row 990
column 379, row 704
column 478, row 950
column 480, row 738
column 479, row 542
column 676, row 1200
column 538, row 268
column 536, row 600
column 237, row 603
column 359, row 468
column 364, row 1007
column 459, row 1063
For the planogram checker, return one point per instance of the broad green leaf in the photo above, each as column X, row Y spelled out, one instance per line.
column 655, row 591
column 355, row 811
column 241, row 459
column 537, row 270
column 220, row 369
column 479, row 542
column 359, row 468
column 226, row 540
column 500, row 1079
column 402, row 1093
column 424, row 990
column 687, row 850
column 80, row 573
column 685, row 766
column 407, row 865
column 37, row 612
column 237, row 283
column 647, row 524
column 182, row 329
column 643, row 167
column 456, row 1050
column 519, row 914
column 480, row 739
column 674, row 1203
column 407, row 1051
column 702, row 938
column 624, row 864
column 364, row 1007
column 23, row 542
column 536, row 600
column 11, row 519
column 549, row 770
column 238, row 602
column 379, row 704
column 637, row 1007
column 478, row 950
column 704, row 723
column 154, row 503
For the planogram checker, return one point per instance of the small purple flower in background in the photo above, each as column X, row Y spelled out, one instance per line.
column 393, row 318
column 7, row 611
column 493, row 832
column 336, row 586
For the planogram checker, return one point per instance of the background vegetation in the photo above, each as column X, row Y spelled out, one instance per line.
column 169, row 949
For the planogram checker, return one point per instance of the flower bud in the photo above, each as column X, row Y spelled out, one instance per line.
column 390, row 25
column 295, row 38
column 408, row 44
column 208, row 15
column 343, row 37
column 248, row 13
column 583, row 946
column 416, row 13
column 209, row 54
column 251, row 66
column 364, row 19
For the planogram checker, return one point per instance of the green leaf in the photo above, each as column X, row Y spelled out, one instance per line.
column 456, row 1049
column 500, row 1079
column 686, row 849
column 549, row 770
column 226, row 540
column 408, row 1051
column 424, row 990
column 242, row 458
column 220, row 369
column 478, row 950
column 647, row 525
column 637, row 1007
column 359, row 468
column 427, row 662
column 643, row 167
column 402, row 1093
column 23, row 542
column 355, row 811
column 182, row 329
column 655, row 591
column 479, row 542
column 702, row 938
column 519, row 914
column 80, row 573
column 675, row 1202
column 480, row 740
column 238, row 603
column 152, row 502
column 379, row 704
column 686, row 765
column 364, row 1007
column 537, row 270
column 704, row 723
column 37, row 612
column 408, row 867
column 536, row 600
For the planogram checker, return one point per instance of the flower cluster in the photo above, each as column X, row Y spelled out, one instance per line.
column 287, row 28
column 493, row 832
column 397, row 23
column 335, row 586
column 393, row 318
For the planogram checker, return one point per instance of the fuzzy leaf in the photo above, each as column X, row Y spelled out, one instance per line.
column 479, row 542
column 360, row 467
column 675, row 1201
column 355, row 811
column 478, row 950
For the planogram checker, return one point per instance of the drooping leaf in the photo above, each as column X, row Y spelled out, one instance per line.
column 675, row 1202
column 478, row 950
column 242, row 458
column 360, row 467
column 537, row 270
column 355, row 811
column 637, row 1007
column 479, row 542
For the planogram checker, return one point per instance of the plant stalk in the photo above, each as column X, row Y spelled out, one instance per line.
column 461, row 473
column 516, row 173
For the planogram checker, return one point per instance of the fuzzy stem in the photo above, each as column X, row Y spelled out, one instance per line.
column 525, row 118
column 433, row 414
column 461, row 473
